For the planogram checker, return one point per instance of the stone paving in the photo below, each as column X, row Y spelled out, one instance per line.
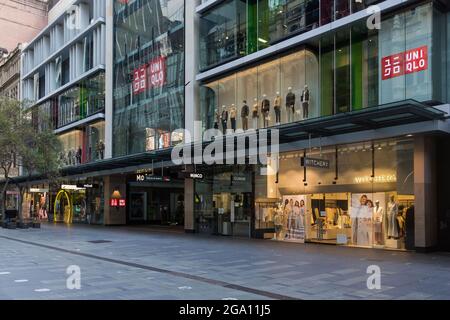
column 154, row 264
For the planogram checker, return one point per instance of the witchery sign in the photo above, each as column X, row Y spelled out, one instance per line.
column 315, row 163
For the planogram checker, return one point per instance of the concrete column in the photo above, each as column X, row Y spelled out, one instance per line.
column 113, row 215
column 192, row 105
column 189, row 214
column 109, row 78
column 425, row 212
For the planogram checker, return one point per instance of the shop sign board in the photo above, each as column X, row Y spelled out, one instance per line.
column 315, row 163
column 140, row 79
column 157, row 71
column 151, row 178
column 403, row 63
column 117, row 202
column 190, row 175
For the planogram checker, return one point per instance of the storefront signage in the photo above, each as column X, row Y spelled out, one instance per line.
column 71, row 187
column 377, row 179
column 38, row 190
column 150, row 178
column 190, row 175
column 157, row 71
column 117, row 202
column 86, row 185
column 315, row 163
column 140, row 79
column 403, row 63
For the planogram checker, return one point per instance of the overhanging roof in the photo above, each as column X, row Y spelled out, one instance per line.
column 387, row 115
column 382, row 116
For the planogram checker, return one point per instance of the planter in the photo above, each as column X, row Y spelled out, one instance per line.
column 22, row 225
column 11, row 225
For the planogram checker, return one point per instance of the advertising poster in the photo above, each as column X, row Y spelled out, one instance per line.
column 291, row 220
column 366, row 213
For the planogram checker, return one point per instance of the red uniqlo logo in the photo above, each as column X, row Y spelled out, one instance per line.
column 122, row 203
column 114, row 202
column 407, row 62
column 157, row 71
column 140, row 79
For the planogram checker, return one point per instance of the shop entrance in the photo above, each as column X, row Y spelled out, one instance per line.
column 156, row 206
column 224, row 202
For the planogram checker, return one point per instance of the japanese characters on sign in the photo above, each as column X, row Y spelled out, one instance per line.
column 140, row 79
column 403, row 63
column 151, row 75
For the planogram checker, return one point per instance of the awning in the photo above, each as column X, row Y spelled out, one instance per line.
column 388, row 115
column 382, row 116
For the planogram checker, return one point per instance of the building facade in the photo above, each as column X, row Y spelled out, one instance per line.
column 358, row 110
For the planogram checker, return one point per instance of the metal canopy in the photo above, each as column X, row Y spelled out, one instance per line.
column 387, row 115
column 399, row 113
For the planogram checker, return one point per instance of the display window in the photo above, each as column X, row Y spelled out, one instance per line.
column 340, row 72
column 363, row 197
column 281, row 91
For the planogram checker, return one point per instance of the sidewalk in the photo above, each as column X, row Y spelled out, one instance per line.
column 252, row 268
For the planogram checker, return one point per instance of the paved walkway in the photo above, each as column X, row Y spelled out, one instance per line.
column 127, row 263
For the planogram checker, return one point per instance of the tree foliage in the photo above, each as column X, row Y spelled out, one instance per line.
column 27, row 140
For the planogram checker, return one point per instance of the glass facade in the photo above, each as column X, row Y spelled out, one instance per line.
column 240, row 27
column 81, row 101
column 148, row 74
column 363, row 197
column 344, row 71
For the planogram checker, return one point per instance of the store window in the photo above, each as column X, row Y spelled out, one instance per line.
column 359, row 195
column 222, row 33
column 148, row 74
column 72, row 147
column 81, row 101
column 280, row 91
column 340, row 72
column 95, row 142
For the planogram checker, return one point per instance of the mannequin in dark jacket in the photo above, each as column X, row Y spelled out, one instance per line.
column 265, row 110
column 290, row 105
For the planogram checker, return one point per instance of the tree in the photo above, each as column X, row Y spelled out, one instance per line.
column 27, row 138
column 10, row 126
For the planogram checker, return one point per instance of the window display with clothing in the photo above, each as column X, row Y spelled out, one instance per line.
column 290, row 105
column 265, row 110
column 305, row 98
column 233, row 115
column 277, row 108
column 255, row 114
column 244, row 115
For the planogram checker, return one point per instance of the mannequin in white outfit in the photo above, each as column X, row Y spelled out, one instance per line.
column 378, row 213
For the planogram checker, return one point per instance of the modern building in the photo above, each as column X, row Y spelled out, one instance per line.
column 356, row 114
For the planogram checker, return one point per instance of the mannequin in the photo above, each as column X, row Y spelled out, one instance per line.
column 290, row 105
column 255, row 114
column 265, row 109
column 233, row 115
column 216, row 119
column 392, row 211
column 244, row 115
column 378, row 213
column 224, row 119
column 79, row 155
column 305, row 102
column 277, row 108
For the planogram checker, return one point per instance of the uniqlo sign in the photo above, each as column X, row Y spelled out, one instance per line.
column 140, row 79
column 157, row 71
column 407, row 62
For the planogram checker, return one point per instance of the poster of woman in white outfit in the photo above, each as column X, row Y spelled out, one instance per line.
column 362, row 214
column 296, row 221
